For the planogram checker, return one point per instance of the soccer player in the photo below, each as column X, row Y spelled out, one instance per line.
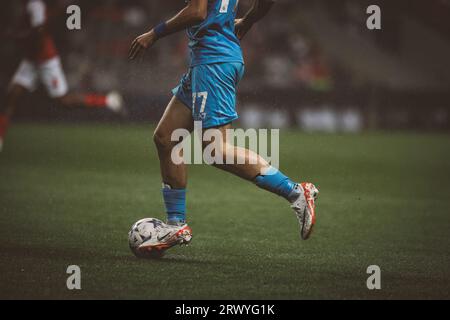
column 42, row 64
column 207, row 93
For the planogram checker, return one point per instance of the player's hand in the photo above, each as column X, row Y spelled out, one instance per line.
column 140, row 44
column 241, row 28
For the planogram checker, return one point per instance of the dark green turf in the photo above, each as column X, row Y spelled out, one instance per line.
column 69, row 194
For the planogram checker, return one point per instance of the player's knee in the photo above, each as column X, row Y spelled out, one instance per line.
column 162, row 140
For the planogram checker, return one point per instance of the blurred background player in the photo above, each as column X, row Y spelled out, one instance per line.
column 41, row 63
column 207, row 93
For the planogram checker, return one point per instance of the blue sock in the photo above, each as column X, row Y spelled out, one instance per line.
column 175, row 201
column 276, row 182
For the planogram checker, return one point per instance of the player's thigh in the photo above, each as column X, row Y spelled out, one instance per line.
column 26, row 76
column 214, row 93
column 219, row 132
column 53, row 78
column 176, row 116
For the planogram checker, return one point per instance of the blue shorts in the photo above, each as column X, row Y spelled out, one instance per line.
column 209, row 90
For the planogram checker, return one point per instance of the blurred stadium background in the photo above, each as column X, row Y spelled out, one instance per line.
column 312, row 65
column 69, row 193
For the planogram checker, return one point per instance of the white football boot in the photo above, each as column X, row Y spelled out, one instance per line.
column 114, row 102
column 169, row 236
column 305, row 208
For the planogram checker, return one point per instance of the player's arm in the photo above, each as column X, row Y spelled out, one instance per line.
column 194, row 13
column 259, row 9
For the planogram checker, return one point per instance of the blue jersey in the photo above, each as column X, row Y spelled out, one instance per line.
column 213, row 40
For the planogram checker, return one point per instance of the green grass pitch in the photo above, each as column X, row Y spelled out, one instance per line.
column 68, row 195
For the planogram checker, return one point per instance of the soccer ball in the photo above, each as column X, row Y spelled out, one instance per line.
column 145, row 230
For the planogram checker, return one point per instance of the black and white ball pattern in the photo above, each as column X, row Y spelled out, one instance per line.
column 143, row 231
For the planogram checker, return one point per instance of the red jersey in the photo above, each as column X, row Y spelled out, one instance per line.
column 35, row 16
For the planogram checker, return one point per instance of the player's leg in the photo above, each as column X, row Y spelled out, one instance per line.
column 15, row 92
column 174, row 175
column 112, row 101
column 13, row 97
column 214, row 88
column 176, row 116
column 249, row 165
column 24, row 80
column 52, row 76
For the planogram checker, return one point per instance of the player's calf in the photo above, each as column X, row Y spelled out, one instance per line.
column 112, row 101
column 163, row 141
